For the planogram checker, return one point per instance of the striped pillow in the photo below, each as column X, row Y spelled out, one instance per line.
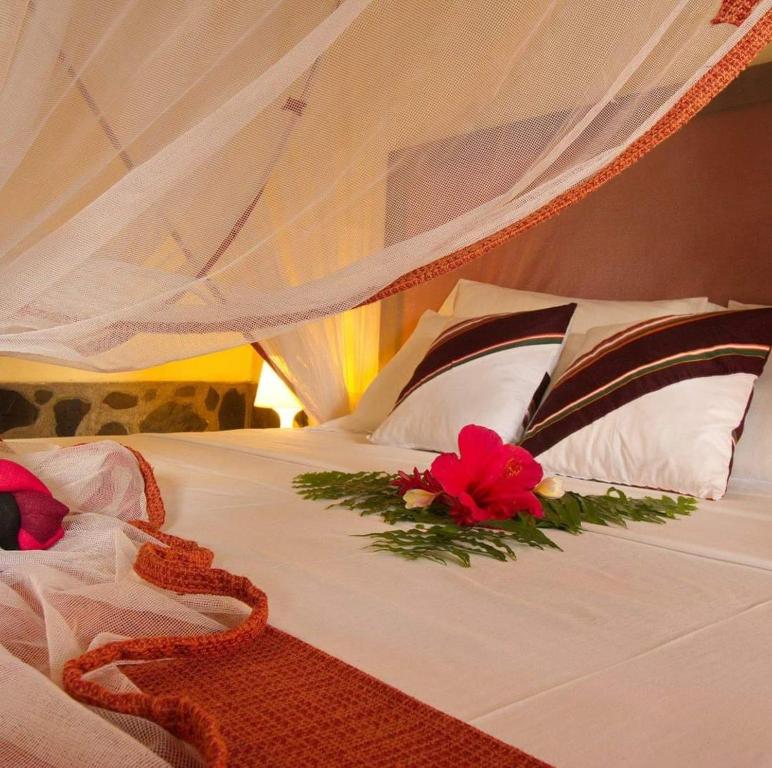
column 485, row 370
column 658, row 404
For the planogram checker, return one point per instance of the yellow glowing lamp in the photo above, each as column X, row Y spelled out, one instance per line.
column 273, row 393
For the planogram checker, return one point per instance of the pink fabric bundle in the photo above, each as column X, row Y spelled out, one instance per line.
column 30, row 517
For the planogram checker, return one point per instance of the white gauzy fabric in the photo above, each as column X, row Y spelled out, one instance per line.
column 82, row 593
column 180, row 177
column 332, row 361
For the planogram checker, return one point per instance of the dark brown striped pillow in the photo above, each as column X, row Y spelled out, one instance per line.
column 484, row 370
column 658, row 404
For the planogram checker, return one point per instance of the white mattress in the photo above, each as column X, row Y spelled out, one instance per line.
column 646, row 646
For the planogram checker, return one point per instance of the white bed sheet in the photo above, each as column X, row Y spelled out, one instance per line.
column 644, row 646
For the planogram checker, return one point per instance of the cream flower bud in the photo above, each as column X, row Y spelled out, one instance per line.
column 550, row 488
column 417, row 498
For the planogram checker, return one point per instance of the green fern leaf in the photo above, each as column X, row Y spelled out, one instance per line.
column 435, row 537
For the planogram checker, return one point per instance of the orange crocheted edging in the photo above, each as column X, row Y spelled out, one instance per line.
column 706, row 88
column 181, row 566
column 734, row 12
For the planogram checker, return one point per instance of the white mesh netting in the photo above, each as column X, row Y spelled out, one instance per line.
column 59, row 603
column 178, row 177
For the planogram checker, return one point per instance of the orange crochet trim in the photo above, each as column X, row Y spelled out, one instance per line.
column 734, row 11
column 254, row 696
column 706, row 88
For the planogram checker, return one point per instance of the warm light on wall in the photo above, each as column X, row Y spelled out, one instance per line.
column 236, row 364
column 360, row 330
column 273, row 393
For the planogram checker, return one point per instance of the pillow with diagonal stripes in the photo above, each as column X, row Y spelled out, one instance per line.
column 659, row 404
column 490, row 371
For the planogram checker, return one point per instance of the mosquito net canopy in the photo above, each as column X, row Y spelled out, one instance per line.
column 177, row 177
column 181, row 176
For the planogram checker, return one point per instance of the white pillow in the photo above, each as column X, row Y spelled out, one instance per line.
column 753, row 458
column 379, row 398
column 656, row 404
column 471, row 299
column 489, row 371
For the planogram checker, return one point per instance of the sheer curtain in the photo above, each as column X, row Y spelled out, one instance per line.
column 329, row 362
column 178, row 177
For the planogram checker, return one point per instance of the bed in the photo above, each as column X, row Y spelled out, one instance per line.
column 630, row 647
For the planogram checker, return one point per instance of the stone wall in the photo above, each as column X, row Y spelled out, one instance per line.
column 115, row 408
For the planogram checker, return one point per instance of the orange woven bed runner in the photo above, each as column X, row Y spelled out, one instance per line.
column 256, row 696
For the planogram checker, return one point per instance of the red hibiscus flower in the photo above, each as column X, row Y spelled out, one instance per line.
column 488, row 480
column 30, row 517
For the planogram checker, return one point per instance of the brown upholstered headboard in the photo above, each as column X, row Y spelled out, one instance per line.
column 692, row 218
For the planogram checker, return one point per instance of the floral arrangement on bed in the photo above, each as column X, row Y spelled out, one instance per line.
column 480, row 501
